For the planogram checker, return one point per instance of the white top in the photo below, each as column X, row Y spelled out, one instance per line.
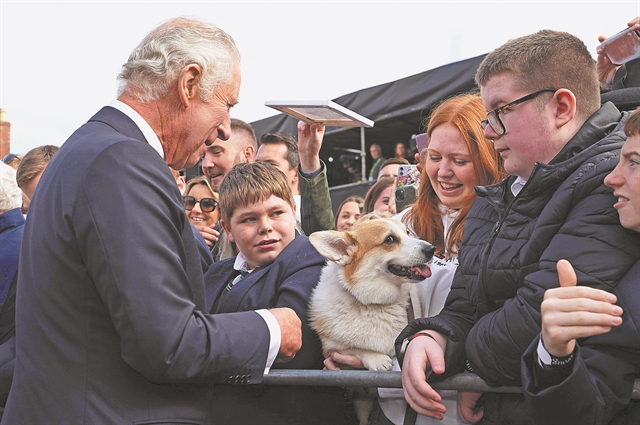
column 428, row 298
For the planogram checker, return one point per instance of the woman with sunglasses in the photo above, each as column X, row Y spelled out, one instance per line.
column 201, row 205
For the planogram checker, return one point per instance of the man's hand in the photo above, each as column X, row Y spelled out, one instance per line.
column 337, row 361
column 467, row 407
column 571, row 312
column 209, row 234
column 423, row 356
column 291, row 333
column 309, row 144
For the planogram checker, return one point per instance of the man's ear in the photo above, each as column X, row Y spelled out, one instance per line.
column 249, row 153
column 189, row 81
column 565, row 107
column 182, row 184
column 227, row 230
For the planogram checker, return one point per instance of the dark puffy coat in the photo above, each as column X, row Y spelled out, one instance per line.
column 510, row 249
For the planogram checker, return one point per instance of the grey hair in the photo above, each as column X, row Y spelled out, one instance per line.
column 155, row 64
column 10, row 193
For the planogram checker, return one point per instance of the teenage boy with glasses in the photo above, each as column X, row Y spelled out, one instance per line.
column 557, row 145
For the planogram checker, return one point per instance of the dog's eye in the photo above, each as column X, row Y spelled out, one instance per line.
column 391, row 239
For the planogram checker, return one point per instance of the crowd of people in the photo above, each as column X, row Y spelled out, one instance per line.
column 129, row 295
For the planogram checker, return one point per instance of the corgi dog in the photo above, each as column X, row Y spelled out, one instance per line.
column 359, row 306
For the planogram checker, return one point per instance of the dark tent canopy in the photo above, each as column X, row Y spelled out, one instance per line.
column 398, row 109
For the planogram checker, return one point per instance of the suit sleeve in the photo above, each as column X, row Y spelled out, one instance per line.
column 140, row 251
column 303, row 272
column 590, row 236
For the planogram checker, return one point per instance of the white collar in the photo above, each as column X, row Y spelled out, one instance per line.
column 241, row 264
column 145, row 128
column 517, row 186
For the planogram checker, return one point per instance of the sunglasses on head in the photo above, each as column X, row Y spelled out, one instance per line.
column 206, row 204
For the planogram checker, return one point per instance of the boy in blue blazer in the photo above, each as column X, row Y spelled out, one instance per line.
column 275, row 267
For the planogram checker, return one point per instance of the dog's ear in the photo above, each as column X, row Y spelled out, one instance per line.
column 334, row 246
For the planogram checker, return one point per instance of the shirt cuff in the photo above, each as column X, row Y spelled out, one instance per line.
column 311, row 175
column 275, row 337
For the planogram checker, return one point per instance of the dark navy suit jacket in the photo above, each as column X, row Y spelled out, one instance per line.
column 110, row 311
column 287, row 282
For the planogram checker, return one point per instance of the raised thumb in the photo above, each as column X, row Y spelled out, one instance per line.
column 566, row 274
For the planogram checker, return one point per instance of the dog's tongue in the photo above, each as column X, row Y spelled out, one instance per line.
column 423, row 270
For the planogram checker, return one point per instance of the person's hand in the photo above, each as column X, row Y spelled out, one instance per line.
column 309, row 144
column 606, row 70
column 423, row 356
column 337, row 361
column 209, row 233
column 571, row 312
column 467, row 407
column 290, row 331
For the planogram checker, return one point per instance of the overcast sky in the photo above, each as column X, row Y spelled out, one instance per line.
column 59, row 60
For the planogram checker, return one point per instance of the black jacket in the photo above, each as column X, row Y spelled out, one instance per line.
column 510, row 249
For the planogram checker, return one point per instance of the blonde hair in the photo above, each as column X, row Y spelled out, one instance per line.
column 248, row 183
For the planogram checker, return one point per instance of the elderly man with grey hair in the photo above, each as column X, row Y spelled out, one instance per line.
column 11, row 228
column 110, row 303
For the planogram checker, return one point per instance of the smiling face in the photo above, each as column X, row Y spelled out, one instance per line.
column 529, row 132
column 221, row 156
column 348, row 215
column 625, row 181
column 262, row 230
column 449, row 167
column 196, row 216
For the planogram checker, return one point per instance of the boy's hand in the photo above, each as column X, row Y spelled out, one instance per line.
column 571, row 312
column 291, row 333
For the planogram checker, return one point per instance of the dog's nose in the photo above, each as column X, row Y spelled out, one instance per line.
column 428, row 249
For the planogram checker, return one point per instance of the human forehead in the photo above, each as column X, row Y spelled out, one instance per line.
column 261, row 206
column 499, row 90
column 631, row 147
column 272, row 151
column 447, row 139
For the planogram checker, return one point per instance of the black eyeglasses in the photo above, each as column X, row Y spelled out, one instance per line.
column 493, row 117
column 206, row 204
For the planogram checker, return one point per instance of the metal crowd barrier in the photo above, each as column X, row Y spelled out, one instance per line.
column 363, row 378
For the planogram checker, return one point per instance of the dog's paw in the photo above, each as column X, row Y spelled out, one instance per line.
column 377, row 362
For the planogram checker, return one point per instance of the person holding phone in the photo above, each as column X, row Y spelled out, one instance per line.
column 616, row 76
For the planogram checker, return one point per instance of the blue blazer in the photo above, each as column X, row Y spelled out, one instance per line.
column 110, row 305
column 287, row 282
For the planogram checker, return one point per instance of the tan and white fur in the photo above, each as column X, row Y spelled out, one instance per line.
column 359, row 306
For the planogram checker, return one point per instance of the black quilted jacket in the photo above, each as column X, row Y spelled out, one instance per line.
column 509, row 252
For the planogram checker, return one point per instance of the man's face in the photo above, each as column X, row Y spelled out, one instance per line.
column 29, row 187
column 625, row 181
column 529, row 135
column 262, row 230
column 276, row 154
column 202, row 121
column 221, row 156
column 375, row 152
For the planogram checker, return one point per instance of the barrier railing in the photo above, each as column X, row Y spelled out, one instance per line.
column 363, row 378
